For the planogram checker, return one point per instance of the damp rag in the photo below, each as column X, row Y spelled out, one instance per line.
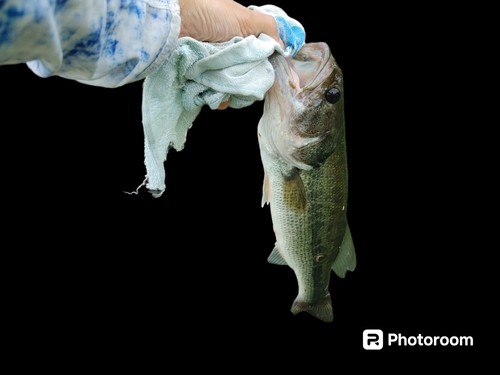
column 198, row 74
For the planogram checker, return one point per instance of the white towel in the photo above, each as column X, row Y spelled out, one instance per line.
column 198, row 74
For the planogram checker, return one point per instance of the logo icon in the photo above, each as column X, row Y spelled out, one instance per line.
column 373, row 339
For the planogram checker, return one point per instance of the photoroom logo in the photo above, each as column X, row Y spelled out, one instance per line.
column 373, row 339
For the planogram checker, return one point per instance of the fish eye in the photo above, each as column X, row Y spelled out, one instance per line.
column 332, row 96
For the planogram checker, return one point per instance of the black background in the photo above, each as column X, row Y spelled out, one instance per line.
column 190, row 268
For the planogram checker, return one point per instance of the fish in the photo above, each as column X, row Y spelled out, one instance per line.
column 301, row 137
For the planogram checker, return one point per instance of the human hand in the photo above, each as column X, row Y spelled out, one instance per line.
column 221, row 20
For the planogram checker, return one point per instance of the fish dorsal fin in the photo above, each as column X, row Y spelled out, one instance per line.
column 346, row 260
column 266, row 189
column 276, row 258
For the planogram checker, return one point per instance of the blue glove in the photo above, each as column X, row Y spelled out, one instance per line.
column 291, row 32
column 293, row 36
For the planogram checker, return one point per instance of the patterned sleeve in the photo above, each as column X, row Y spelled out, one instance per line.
column 98, row 42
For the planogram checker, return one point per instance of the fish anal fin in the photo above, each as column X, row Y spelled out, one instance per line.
column 276, row 258
column 321, row 310
column 346, row 259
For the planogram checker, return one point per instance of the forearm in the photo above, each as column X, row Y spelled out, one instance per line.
column 105, row 43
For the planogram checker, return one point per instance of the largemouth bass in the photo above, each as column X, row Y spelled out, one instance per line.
column 303, row 150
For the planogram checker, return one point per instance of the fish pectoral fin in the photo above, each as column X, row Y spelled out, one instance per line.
column 346, row 260
column 321, row 310
column 295, row 196
column 266, row 190
column 276, row 258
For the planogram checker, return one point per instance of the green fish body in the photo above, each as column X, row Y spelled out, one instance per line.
column 303, row 151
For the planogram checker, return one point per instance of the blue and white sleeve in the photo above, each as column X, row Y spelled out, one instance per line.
column 99, row 42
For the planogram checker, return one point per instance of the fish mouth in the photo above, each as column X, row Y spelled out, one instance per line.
column 306, row 70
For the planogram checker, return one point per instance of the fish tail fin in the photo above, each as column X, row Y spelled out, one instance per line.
column 321, row 310
column 346, row 260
